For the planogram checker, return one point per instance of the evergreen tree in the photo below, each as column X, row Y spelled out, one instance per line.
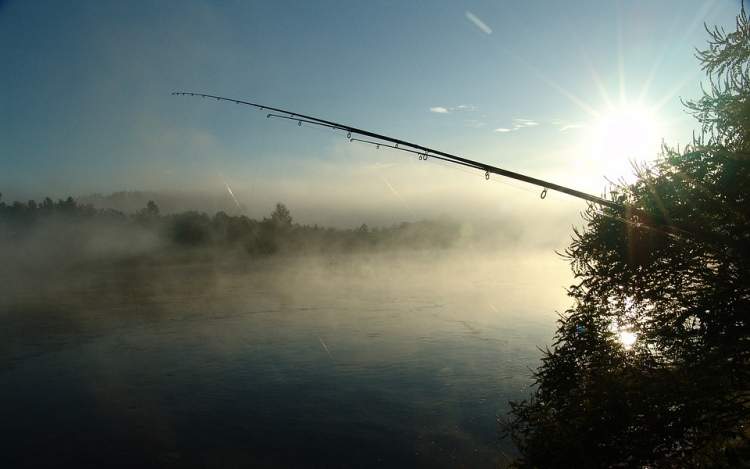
column 148, row 216
column 651, row 366
column 281, row 218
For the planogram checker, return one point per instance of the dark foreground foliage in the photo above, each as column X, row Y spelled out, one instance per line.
column 679, row 396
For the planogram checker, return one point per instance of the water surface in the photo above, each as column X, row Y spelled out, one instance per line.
column 347, row 361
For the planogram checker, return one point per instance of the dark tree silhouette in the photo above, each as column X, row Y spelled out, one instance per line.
column 281, row 218
column 149, row 216
column 227, row 236
column 677, row 392
column 190, row 228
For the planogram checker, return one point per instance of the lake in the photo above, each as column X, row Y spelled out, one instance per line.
column 346, row 361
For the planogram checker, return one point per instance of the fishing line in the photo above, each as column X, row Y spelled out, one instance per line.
column 543, row 195
column 250, row 222
column 463, row 169
column 252, row 190
column 409, row 209
column 231, row 193
column 260, row 156
column 324, row 346
column 239, row 207
column 450, row 165
column 629, row 212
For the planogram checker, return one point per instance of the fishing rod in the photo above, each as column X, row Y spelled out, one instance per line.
column 627, row 212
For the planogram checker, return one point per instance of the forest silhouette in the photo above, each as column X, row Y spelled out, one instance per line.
column 180, row 236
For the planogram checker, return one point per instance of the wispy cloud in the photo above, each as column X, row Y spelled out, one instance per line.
column 521, row 123
column 480, row 24
column 474, row 123
column 573, row 126
column 518, row 124
column 447, row 110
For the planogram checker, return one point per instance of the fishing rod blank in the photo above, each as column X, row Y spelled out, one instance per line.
column 627, row 212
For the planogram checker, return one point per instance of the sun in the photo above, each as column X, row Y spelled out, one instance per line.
column 627, row 132
column 621, row 136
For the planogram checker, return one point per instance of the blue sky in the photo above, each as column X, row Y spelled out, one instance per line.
column 538, row 87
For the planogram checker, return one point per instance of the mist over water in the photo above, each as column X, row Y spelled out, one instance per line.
column 148, row 340
column 393, row 359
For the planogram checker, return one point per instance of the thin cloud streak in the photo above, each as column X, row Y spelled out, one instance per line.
column 445, row 110
column 520, row 123
column 474, row 123
column 567, row 127
column 480, row 24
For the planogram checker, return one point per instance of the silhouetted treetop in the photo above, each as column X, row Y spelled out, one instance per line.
column 651, row 366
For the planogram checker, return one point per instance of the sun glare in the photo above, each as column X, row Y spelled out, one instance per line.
column 623, row 329
column 624, row 135
column 627, row 339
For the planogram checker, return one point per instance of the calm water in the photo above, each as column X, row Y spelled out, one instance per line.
column 335, row 362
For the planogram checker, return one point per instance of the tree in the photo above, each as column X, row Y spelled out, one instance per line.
column 651, row 366
column 149, row 215
column 47, row 206
column 362, row 230
column 150, row 212
column 67, row 206
column 190, row 228
column 281, row 218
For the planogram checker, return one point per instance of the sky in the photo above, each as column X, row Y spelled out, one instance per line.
column 565, row 91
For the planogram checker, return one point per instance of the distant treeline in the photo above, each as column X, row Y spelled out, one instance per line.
column 169, row 201
column 220, row 233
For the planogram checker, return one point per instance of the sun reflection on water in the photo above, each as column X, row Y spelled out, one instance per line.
column 628, row 339
column 624, row 326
